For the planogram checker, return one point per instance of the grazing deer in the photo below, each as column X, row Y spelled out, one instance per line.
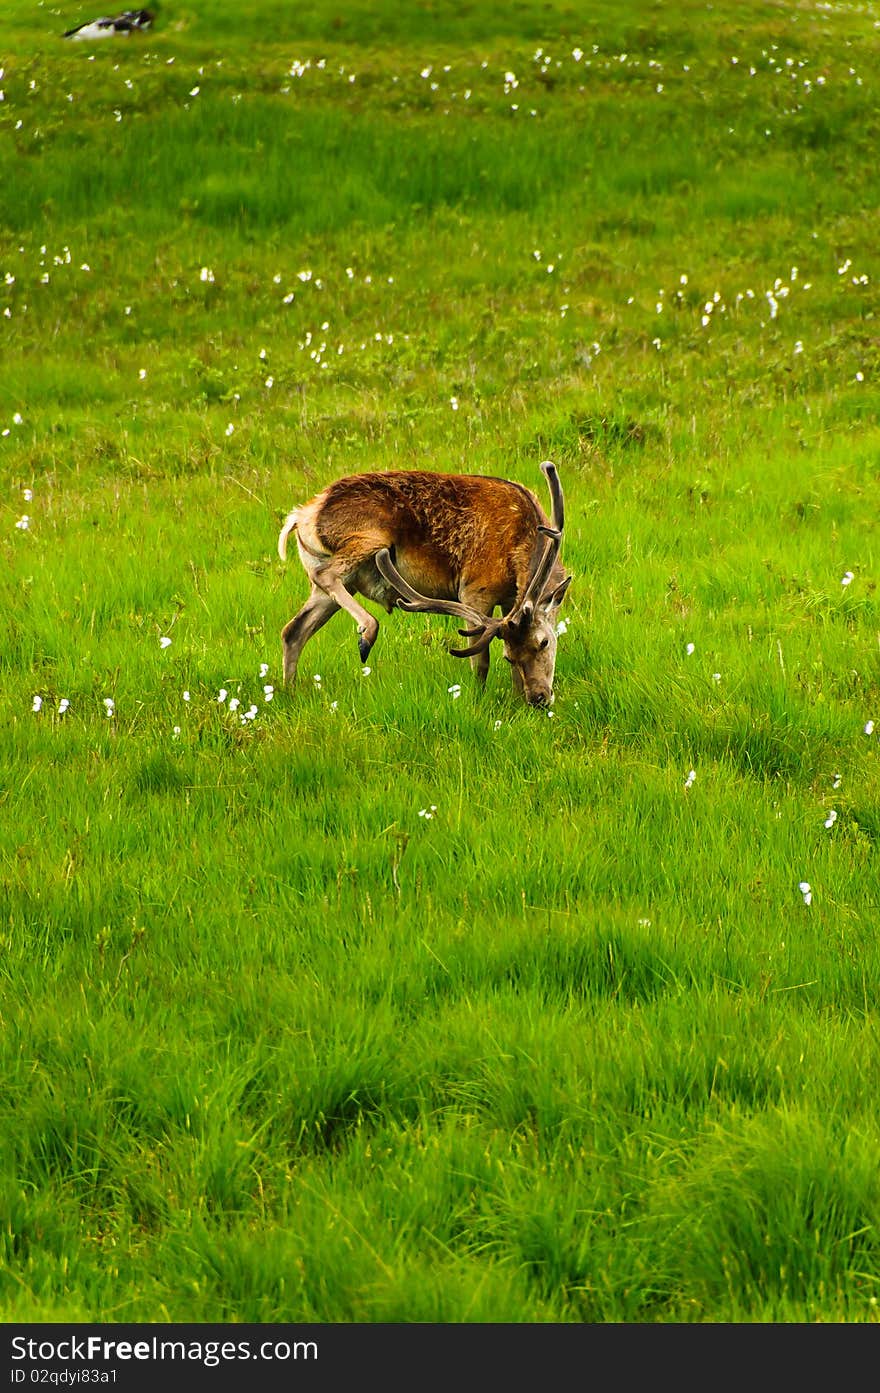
column 441, row 543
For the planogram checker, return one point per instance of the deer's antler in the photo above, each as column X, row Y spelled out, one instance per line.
column 483, row 627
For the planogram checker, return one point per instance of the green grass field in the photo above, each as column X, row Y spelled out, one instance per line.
column 577, row 1046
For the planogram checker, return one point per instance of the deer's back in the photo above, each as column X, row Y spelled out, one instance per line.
column 453, row 513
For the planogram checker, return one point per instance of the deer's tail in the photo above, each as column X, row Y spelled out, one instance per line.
column 289, row 526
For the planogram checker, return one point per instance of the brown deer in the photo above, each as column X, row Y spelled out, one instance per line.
column 442, row 543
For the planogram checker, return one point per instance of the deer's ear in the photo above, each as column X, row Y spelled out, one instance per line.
column 556, row 597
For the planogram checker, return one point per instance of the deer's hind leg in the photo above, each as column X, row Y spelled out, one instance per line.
column 318, row 608
column 329, row 579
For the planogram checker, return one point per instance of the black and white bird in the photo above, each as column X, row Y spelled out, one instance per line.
column 107, row 26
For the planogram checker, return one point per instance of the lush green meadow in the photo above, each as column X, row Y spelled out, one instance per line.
column 385, row 999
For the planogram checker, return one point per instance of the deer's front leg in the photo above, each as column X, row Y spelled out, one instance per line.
column 483, row 602
column 480, row 666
